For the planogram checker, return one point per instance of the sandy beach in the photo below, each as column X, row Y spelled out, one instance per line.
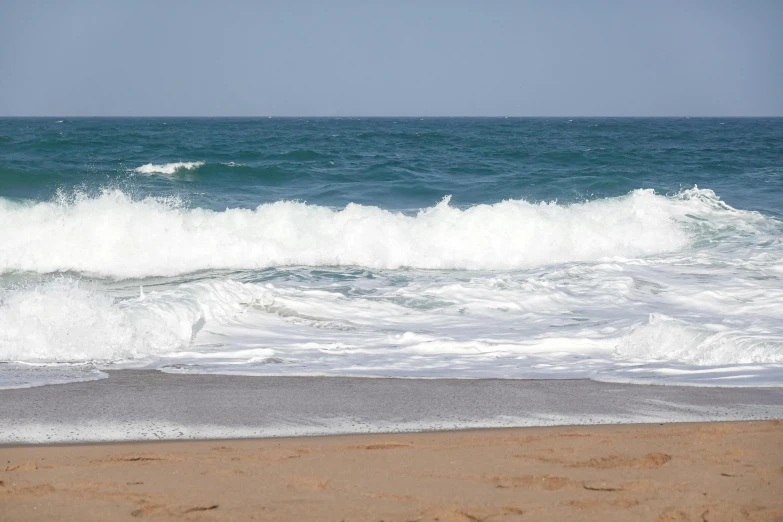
column 241, row 448
column 673, row 472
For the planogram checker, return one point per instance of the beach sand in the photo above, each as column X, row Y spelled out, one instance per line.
column 671, row 472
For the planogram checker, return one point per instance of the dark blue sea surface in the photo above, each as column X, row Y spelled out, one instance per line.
column 396, row 163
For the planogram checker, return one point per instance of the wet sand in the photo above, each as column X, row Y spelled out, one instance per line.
column 671, row 472
column 150, row 405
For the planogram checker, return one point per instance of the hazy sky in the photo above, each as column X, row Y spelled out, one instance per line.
column 395, row 57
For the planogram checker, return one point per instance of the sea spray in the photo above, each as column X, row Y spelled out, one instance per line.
column 167, row 168
column 114, row 235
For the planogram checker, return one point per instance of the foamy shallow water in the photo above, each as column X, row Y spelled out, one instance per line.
column 643, row 288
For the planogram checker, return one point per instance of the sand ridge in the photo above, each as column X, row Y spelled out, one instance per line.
column 673, row 472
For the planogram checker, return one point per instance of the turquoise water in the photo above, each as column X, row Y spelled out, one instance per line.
column 396, row 163
column 616, row 249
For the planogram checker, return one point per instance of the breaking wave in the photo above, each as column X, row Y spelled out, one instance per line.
column 665, row 338
column 167, row 168
column 66, row 320
column 113, row 235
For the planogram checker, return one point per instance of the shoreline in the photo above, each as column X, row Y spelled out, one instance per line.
column 137, row 405
column 142, row 443
column 670, row 472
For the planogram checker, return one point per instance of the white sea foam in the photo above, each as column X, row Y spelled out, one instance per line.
column 167, row 168
column 156, row 429
column 643, row 288
column 65, row 320
column 584, row 321
column 30, row 375
column 663, row 337
column 113, row 235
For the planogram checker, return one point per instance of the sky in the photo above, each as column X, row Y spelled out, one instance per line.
column 391, row 58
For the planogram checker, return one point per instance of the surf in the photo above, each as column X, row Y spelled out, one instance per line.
column 117, row 236
column 168, row 168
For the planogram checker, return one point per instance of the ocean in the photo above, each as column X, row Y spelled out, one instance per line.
column 625, row 250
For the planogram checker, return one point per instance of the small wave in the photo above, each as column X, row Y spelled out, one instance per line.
column 65, row 320
column 167, row 168
column 665, row 338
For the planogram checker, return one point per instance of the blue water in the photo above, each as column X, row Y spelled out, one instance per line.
column 638, row 250
column 397, row 163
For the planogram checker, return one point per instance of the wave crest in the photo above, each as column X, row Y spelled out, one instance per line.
column 116, row 236
column 167, row 168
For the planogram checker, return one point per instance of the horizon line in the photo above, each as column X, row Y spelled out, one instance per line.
column 266, row 116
